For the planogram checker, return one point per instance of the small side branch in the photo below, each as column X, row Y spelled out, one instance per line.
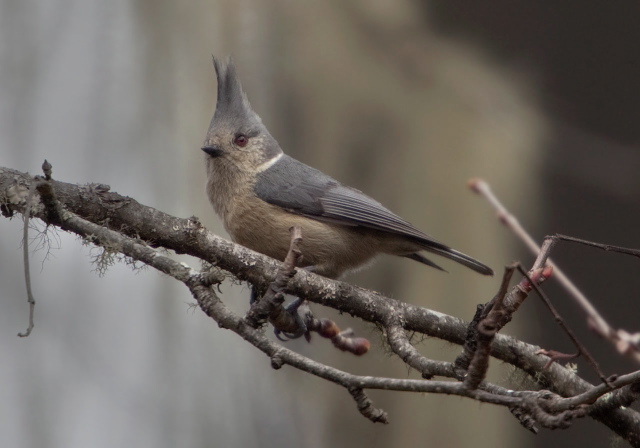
column 605, row 247
column 469, row 347
column 366, row 407
column 401, row 346
column 627, row 344
column 25, row 254
column 486, row 332
column 509, row 303
column 582, row 349
column 52, row 207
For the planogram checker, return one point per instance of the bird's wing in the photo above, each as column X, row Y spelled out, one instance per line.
column 301, row 189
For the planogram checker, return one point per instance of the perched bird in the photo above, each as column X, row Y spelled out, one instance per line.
column 260, row 193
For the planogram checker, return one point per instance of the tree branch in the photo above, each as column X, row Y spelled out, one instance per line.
column 121, row 223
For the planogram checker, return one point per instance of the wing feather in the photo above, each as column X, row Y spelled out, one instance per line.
column 301, row 189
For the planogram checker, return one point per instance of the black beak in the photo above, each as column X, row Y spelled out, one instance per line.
column 213, row 150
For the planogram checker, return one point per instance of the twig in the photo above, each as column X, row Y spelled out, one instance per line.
column 485, row 333
column 555, row 356
column 624, row 342
column 483, row 189
column 366, row 407
column 525, row 419
column 471, row 340
column 602, row 393
column 605, row 247
column 401, row 346
column 536, row 407
column 516, row 297
column 25, row 255
column 556, row 316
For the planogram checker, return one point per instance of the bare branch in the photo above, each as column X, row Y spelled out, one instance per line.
column 401, row 346
column 582, row 350
column 366, row 408
column 605, row 247
column 120, row 222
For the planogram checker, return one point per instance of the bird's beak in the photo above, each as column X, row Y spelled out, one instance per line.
column 213, row 150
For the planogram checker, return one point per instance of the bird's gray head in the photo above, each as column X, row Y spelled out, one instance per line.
column 236, row 134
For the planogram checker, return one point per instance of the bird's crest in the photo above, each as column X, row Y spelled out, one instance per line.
column 232, row 103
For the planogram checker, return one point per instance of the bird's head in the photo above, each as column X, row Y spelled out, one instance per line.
column 236, row 134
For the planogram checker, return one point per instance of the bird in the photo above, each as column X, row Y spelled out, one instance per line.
column 259, row 192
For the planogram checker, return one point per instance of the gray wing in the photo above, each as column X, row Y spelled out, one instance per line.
column 301, row 189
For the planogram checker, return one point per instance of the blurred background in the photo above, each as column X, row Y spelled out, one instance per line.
column 405, row 100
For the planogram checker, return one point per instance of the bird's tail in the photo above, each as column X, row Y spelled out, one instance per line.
column 454, row 255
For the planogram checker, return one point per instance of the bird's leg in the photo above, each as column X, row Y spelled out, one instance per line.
column 292, row 310
column 254, row 295
column 311, row 269
column 293, row 306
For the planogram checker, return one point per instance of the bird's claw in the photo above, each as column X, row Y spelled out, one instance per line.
column 292, row 309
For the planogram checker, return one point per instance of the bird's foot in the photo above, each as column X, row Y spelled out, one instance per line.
column 302, row 330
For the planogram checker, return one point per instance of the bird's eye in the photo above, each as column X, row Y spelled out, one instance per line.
column 241, row 140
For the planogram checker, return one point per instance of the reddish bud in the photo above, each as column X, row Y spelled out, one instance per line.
column 328, row 328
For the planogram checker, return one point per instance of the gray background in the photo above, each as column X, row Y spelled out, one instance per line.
column 405, row 100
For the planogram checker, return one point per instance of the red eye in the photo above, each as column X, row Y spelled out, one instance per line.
column 241, row 140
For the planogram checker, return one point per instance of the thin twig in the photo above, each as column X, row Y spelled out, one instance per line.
column 625, row 343
column 556, row 316
column 605, row 247
column 481, row 187
column 366, row 407
column 486, row 330
column 401, row 346
column 599, row 392
column 622, row 341
column 25, row 254
column 471, row 340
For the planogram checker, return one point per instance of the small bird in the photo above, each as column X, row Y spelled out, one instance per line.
column 260, row 193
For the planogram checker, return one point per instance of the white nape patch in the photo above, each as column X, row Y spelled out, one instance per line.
column 269, row 163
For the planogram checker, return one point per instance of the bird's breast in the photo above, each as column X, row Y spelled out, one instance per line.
column 331, row 248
